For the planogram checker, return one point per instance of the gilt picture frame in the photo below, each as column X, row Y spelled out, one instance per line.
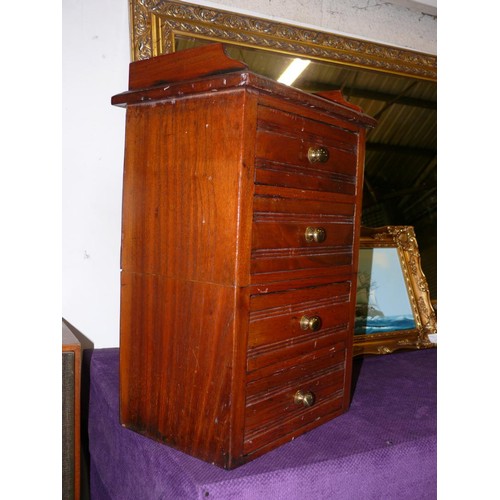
column 156, row 24
column 393, row 305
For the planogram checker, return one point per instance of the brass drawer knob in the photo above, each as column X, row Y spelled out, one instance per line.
column 305, row 398
column 312, row 323
column 315, row 234
column 317, row 154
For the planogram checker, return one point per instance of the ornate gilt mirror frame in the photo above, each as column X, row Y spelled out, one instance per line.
column 155, row 24
column 422, row 335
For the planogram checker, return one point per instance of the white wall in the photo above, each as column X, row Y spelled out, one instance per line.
column 400, row 23
column 95, row 67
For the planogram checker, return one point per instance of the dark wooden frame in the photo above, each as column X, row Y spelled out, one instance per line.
column 71, row 346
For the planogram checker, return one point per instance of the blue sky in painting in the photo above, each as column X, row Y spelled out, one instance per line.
column 387, row 279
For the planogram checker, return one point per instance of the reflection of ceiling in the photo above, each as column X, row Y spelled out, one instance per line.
column 401, row 163
column 401, row 150
column 400, row 169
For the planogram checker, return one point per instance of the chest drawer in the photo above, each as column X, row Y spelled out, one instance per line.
column 284, row 401
column 293, row 234
column 291, row 326
column 293, row 151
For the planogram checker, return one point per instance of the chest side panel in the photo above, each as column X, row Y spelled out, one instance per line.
column 181, row 187
column 185, row 256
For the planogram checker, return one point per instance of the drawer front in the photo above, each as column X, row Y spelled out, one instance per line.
column 295, row 325
column 285, row 234
column 292, row 151
column 275, row 404
column 298, row 338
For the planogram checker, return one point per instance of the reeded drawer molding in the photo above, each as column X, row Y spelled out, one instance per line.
column 278, row 253
column 272, row 412
column 302, row 218
column 296, row 152
column 280, row 234
column 293, row 125
column 271, row 359
column 299, row 308
column 266, row 393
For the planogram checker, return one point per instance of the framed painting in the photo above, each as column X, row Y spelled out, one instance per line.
column 393, row 306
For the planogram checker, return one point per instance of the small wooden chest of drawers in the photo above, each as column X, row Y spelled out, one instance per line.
column 241, row 212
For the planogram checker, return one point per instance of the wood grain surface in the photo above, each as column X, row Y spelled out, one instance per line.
column 216, row 271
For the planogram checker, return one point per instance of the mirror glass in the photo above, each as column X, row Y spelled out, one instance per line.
column 400, row 185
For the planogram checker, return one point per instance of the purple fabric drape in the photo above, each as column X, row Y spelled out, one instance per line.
column 384, row 447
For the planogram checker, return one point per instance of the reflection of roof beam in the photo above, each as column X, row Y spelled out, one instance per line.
column 431, row 167
column 426, row 194
column 372, row 94
column 384, row 196
column 405, row 192
column 369, row 188
column 383, row 96
column 396, row 100
column 404, row 150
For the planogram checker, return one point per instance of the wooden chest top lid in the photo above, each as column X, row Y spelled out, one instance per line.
column 209, row 69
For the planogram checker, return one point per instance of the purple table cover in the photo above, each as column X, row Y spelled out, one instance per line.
column 384, row 447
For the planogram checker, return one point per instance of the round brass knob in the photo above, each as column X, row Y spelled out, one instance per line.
column 312, row 323
column 315, row 234
column 305, row 398
column 317, row 154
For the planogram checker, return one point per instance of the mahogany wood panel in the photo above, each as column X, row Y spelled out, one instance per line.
column 274, row 173
column 283, row 142
column 174, row 386
column 276, row 316
column 342, row 211
column 324, row 344
column 216, row 271
column 290, row 352
column 270, row 93
column 180, row 203
column 278, row 241
column 272, row 412
column 185, row 65
column 303, row 129
column 287, row 231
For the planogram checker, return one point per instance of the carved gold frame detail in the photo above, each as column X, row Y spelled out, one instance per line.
column 403, row 238
column 154, row 24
